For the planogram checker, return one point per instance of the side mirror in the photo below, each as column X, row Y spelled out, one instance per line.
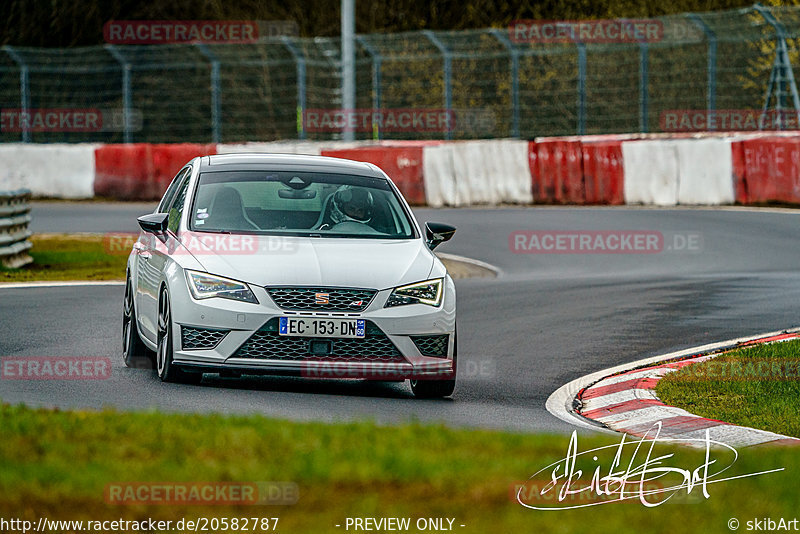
column 438, row 233
column 155, row 223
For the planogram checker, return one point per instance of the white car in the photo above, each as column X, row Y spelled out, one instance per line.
column 298, row 265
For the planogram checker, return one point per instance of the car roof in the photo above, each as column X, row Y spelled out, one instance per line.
column 295, row 162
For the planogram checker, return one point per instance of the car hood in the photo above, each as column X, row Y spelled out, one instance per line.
column 304, row 261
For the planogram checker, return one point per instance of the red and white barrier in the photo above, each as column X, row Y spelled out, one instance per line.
column 767, row 169
column 309, row 148
column 48, row 170
column 440, row 180
column 705, row 171
column 477, row 172
column 141, row 171
column 512, row 163
column 603, row 176
column 402, row 163
column 682, row 171
column 654, row 169
column 559, row 170
column 651, row 172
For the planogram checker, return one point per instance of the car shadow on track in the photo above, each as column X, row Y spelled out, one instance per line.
column 354, row 388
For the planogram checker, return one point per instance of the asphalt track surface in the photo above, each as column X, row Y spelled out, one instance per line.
column 548, row 319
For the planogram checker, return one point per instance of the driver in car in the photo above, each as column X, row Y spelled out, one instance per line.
column 351, row 210
column 351, row 204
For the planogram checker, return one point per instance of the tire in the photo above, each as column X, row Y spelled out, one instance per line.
column 433, row 389
column 134, row 352
column 167, row 370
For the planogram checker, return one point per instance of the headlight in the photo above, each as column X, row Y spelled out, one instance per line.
column 205, row 286
column 428, row 292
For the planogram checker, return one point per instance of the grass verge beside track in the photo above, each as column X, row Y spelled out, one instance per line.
column 58, row 464
column 60, row 257
column 756, row 386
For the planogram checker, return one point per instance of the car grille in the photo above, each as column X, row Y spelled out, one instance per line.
column 267, row 344
column 435, row 346
column 306, row 298
column 201, row 338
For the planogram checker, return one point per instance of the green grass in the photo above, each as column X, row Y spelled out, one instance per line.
column 59, row 257
column 57, row 464
column 760, row 392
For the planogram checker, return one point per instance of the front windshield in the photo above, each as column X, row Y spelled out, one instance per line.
column 300, row 204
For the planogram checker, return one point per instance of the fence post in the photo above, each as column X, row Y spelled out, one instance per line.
column 448, row 75
column 514, row 53
column 300, row 61
column 216, row 109
column 712, row 60
column 348, row 62
column 377, row 60
column 126, row 91
column 581, row 88
column 781, row 69
column 644, row 80
column 24, row 88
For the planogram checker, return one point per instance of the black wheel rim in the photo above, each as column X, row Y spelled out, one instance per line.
column 163, row 332
column 127, row 316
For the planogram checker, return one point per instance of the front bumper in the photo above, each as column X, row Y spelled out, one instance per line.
column 240, row 321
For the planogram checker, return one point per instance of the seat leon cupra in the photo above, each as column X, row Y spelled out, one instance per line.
column 290, row 265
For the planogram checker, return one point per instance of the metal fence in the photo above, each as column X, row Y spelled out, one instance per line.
column 495, row 86
column 14, row 233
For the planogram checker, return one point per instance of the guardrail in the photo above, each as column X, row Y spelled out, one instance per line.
column 15, row 217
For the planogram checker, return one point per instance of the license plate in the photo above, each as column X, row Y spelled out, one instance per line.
column 314, row 327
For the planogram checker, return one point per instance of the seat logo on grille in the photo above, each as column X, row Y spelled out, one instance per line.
column 356, row 303
column 322, row 298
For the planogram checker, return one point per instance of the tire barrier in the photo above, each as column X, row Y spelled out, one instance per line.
column 15, row 217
